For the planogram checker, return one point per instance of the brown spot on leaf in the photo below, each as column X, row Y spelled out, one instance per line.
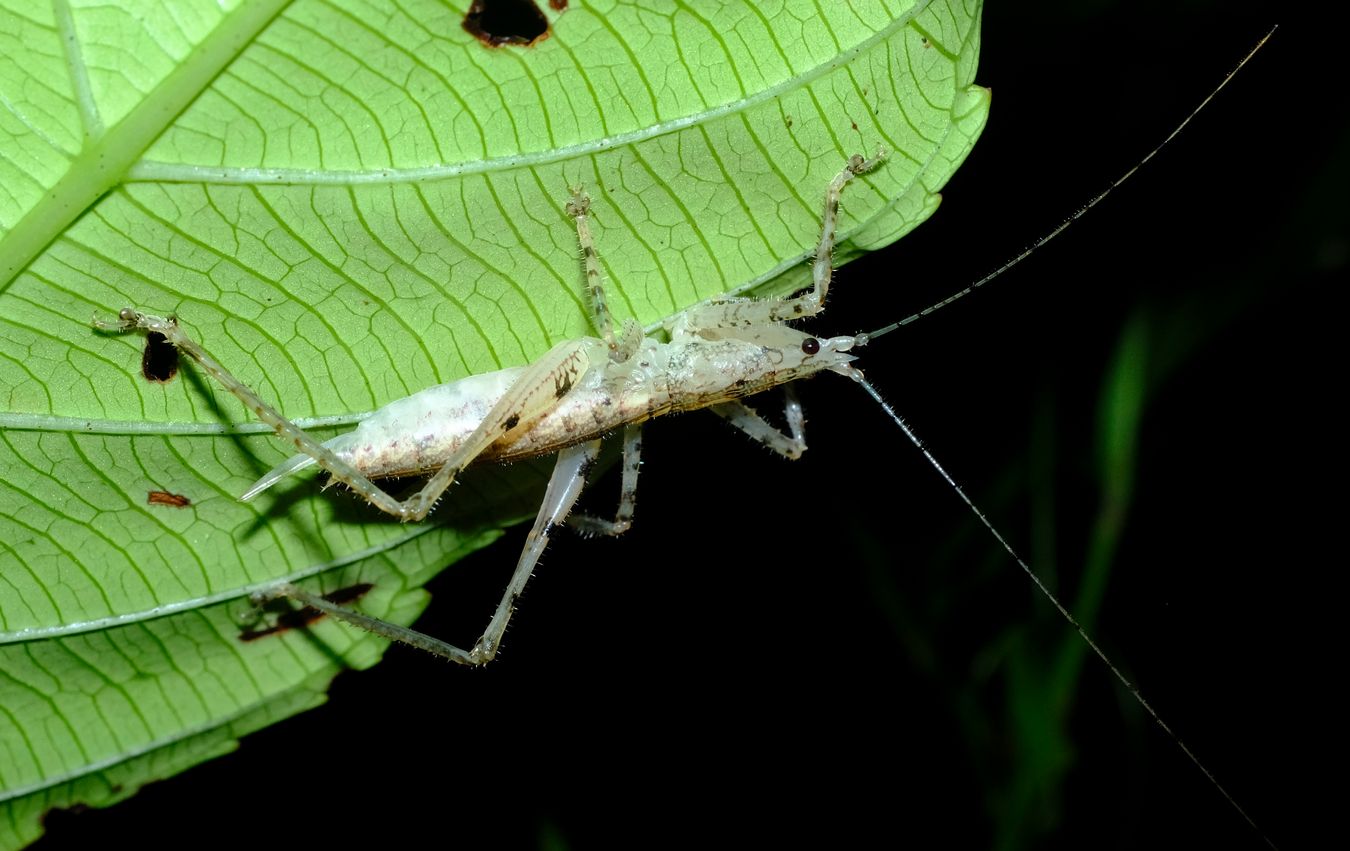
column 173, row 500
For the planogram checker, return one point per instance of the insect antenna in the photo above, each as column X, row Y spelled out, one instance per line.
column 863, row 339
column 1064, row 612
column 1054, row 600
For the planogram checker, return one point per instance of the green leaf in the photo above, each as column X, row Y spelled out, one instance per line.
column 347, row 202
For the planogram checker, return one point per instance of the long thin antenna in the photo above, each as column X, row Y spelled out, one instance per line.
column 863, row 339
column 1050, row 595
column 857, row 375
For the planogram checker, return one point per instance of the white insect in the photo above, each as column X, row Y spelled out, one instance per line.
column 565, row 402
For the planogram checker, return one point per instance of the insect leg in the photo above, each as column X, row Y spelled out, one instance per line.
column 391, row 631
column 537, row 391
column 579, row 208
column 564, row 486
column 822, row 267
column 629, row 342
column 130, row 318
column 745, row 312
column 587, row 524
column 743, row 417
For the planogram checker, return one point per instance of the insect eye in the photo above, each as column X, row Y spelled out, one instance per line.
column 810, row 345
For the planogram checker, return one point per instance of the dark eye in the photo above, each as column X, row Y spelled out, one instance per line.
column 810, row 345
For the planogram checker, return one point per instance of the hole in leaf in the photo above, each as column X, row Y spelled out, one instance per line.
column 517, row 22
column 159, row 361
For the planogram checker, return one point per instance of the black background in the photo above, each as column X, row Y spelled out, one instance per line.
column 822, row 652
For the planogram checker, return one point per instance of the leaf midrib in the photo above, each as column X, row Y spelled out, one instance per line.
column 234, row 593
column 106, row 157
